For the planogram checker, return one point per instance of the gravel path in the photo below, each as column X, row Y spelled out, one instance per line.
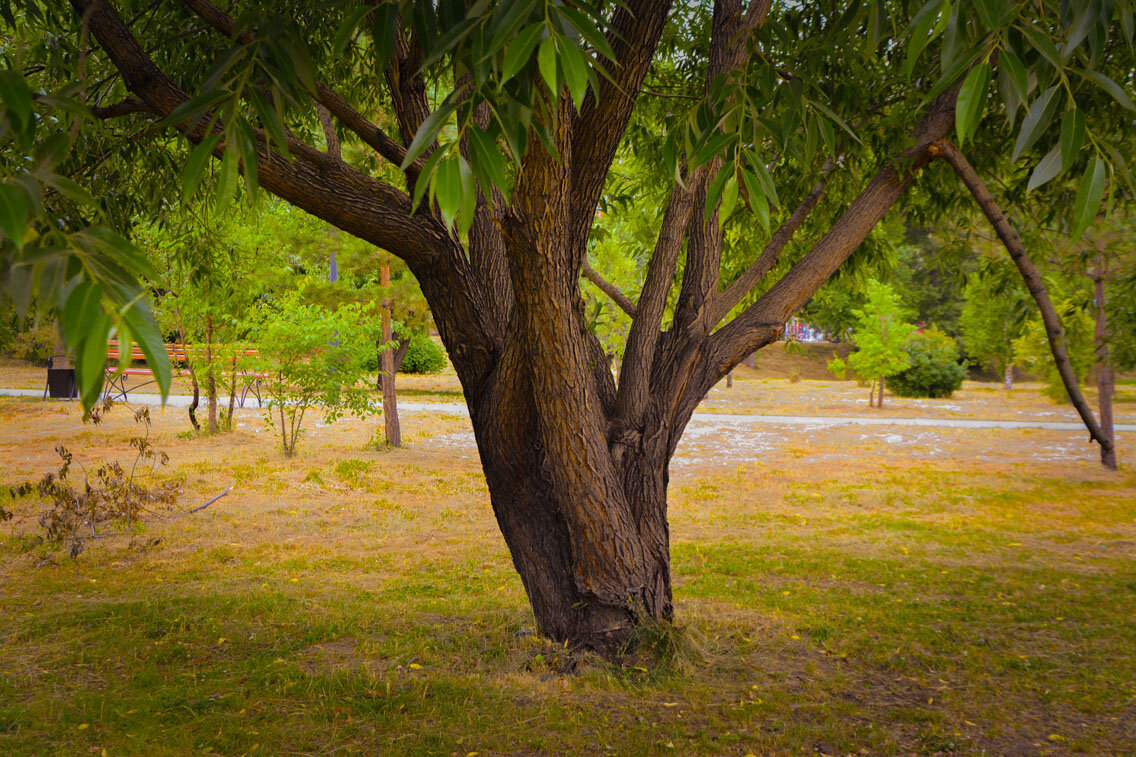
column 708, row 419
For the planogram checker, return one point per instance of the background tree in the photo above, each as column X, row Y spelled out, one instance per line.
column 933, row 368
column 881, row 334
column 992, row 319
column 490, row 187
column 313, row 360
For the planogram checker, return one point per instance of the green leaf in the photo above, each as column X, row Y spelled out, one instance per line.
column 767, row 186
column 835, row 118
column 82, row 307
column 1048, row 168
column 384, row 31
column 468, row 197
column 226, row 179
column 575, row 69
column 449, row 40
column 14, row 209
column 589, row 31
column 448, row 188
column 756, row 198
column 1037, row 118
column 1041, row 42
column 69, row 188
column 971, row 101
column 828, row 134
column 1089, row 196
column 90, row 360
column 729, row 199
column 16, row 96
column 546, row 61
column 714, row 191
column 195, row 166
column 520, row 51
column 194, row 108
column 347, row 28
column 921, row 33
column 1109, row 86
column 428, row 132
column 488, row 163
column 425, row 178
column 1072, row 136
column 1016, row 73
column 249, row 156
column 270, row 119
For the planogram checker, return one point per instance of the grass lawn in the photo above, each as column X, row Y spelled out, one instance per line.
column 841, row 591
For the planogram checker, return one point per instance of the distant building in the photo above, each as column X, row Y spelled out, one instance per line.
column 803, row 332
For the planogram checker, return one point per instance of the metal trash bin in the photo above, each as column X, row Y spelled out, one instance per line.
column 61, row 383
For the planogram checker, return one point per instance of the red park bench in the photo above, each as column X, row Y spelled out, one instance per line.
column 116, row 379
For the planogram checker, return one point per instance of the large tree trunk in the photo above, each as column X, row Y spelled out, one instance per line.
column 1008, row 376
column 588, row 584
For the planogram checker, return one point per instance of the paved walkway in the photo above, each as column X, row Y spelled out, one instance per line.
column 706, row 418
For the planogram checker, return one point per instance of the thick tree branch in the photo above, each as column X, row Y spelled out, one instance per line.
column 330, row 189
column 721, row 305
column 745, row 333
column 728, row 47
column 1054, row 331
column 126, row 107
column 643, row 338
column 635, row 31
column 367, row 131
column 611, row 290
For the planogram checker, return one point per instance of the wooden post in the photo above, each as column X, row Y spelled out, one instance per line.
column 390, row 403
column 1106, row 382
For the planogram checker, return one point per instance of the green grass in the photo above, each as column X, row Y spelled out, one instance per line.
column 891, row 610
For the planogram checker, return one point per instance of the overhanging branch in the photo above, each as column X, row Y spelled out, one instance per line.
column 1054, row 331
column 352, row 119
column 327, row 188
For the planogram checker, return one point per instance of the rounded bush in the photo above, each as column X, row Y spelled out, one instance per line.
column 935, row 370
column 423, row 355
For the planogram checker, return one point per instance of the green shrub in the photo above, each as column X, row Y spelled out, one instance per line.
column 423, row 355
column 34, row 344
column 935, row 370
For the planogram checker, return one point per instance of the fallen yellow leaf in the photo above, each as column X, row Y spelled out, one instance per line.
column 84, row 726
column 415, row 666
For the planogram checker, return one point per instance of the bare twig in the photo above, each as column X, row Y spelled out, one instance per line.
column 202, row 507
column 611, row 290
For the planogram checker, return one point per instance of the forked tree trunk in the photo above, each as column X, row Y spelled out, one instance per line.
column 587, row 585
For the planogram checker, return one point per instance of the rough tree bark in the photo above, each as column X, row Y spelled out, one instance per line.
column 576, row 466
